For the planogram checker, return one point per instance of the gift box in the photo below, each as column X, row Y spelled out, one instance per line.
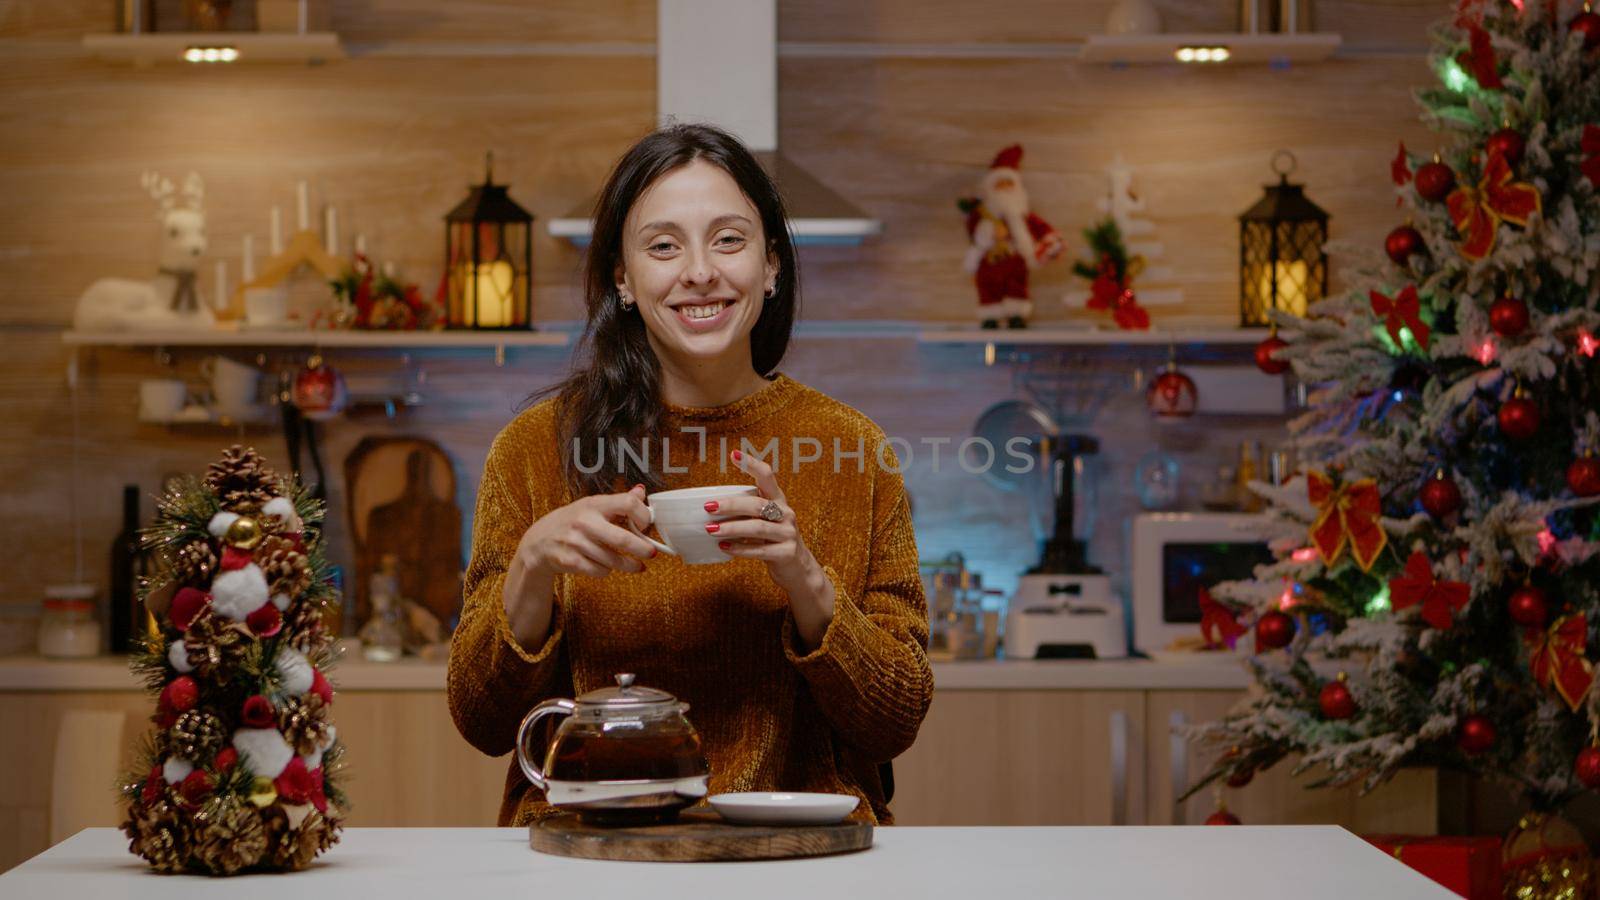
column 1468, row 866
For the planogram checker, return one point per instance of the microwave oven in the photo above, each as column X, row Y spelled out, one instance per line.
column 1175, row 555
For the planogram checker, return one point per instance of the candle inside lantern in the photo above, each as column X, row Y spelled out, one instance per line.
column 247, row 271
column 492, row 285
column 275, row 239
column 303, row 206
column 1291, row 278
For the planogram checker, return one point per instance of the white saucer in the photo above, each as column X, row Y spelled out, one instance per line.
column 758, row 808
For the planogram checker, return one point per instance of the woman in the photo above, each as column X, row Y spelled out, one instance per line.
column 802, row 658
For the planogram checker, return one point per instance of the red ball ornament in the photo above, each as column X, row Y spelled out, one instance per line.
column 1274, row 630
column 1241, row 778
column 1435, row 181
column 1519, row 418
column 1223, row 817
column 1583, row 476
column 1440, row 496
column 1508, row 316
column 1172, row 394
column 180, row 695
column 1586, row 23
column 1508, row 142
column 1336, row 701
column 1402, row 243
column 1475, row 735
column 1528, row 606
column 1587, row 767
column 1264, row 355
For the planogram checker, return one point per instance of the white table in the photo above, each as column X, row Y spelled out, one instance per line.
column 1225, row 863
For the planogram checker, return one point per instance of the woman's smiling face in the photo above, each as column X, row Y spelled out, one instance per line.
column 695, row 261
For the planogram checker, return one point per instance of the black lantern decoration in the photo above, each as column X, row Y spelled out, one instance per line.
column 1282, row 265
column 488, row 253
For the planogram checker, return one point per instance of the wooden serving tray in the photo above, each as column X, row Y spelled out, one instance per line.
column 697, row 836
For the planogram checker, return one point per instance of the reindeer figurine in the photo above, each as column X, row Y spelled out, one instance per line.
column 172, row 298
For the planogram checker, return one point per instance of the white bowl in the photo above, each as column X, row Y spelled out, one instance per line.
column 759, row 808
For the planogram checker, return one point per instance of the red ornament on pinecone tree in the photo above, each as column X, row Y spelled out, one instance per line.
column 1402, row 243
column 1265, row 361
column 1587, row 767
column 1223, row 817
column 1528, row 606
column 1509, row 143
column 1435, row 181
column 1583, row 476
column 1508, row 316
column 1440, row 496
column 1519, row 418
column 1586, row 23
column 1475, row 734
column 1274, row 630
column 1336, row 701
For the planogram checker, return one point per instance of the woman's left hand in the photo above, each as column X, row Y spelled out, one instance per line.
column 778, row 544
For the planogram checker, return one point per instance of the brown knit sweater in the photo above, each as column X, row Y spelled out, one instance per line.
column 720, row 637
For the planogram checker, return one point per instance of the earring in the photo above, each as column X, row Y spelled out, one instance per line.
column 626, row 303
column 770, row 291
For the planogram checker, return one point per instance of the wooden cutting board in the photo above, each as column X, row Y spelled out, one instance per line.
column 401, row 500
column 697, row 836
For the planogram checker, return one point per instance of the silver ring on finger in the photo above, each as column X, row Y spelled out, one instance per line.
column 772, row 512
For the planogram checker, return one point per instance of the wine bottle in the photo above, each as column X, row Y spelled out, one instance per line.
column 126, row 562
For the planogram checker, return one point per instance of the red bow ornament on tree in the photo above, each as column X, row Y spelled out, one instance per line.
column 1478, row 211
column 1110, row 292
column 1557, row 656
column 1401, row 310
column 1439, row 599
column 1218, row 625
column 1591, row 154
column 1479, row 57
column 1346, row 514
column 1400, row 168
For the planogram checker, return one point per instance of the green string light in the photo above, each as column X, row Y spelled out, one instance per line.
column 1379, row 602
column 1454, row 77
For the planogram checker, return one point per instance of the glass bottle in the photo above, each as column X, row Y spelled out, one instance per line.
column 381, row 638
column 126, row 562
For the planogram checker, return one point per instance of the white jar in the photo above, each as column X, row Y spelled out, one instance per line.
column 67, row 627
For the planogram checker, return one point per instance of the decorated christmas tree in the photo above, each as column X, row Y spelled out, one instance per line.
column 240, row 772
column 1437, row 589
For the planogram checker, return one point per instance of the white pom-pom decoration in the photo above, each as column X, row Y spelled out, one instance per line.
column 178, row 655
column 218, row 526
column 281, row 601
column 263, row 751
column 294, row 671
column 175, row 770
column 283, row 508
column 237, row 594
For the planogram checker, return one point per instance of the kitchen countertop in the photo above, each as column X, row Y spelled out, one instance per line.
column 32, row 673
column 1309, row 862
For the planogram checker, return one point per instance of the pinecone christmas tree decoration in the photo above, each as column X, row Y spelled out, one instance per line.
column 304, row 626
column 197, row 735
column 213, row 643
column 193, row 563
column 286, row 569
column 232, row 839
column 292, row 847
column 241, row 480
column 303, row 721
column 156, row 833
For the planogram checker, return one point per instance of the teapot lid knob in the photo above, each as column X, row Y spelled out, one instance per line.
column 625, row 680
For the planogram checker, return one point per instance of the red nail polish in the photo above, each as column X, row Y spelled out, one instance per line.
column 712, row 527
column 711, row 506
column 724, row 544
column 737, row 456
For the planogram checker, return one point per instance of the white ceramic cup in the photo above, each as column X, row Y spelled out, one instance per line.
column 266, row 307
column 161, row 399
column 235, row 387
column 680, row 518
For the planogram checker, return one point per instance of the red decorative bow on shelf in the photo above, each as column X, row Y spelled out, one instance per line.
column 1401, row 310
column 1439, row 599
column 1557, row 657
column 1218, row 625
column 1346, row 514
column 1478, row 211
column 1591, row 154
column 1107, row 291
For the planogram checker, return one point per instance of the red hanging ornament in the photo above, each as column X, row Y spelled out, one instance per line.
column 1265, row 360
column 1241, row 778
column 1336, row 701
column 1223, row 817
column 1402, row 243
column 1508, row 316
column 1435, row 181
column 1528, row 606
column 1519, row 418
column 1587, row 767
column 1477, row 211
column 1509, row 143
column 1586, row 23
column 1172, row 394
column 1440, row 496
column 1583, row 476
column 1475, row 734
column 1439, row 599
column 1274, row 630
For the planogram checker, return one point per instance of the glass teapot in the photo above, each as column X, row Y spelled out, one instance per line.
column 623, row 755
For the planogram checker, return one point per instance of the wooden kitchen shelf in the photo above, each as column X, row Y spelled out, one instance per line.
column 1276, row 49
column 153, row 47
column 397, row 340
column 1058, row 336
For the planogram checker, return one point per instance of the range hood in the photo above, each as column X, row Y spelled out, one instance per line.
column 717, row 62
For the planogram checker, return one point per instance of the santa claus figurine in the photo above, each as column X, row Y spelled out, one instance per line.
column 1008, row 242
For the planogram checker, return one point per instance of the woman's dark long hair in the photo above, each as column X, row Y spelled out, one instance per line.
column 612, row 394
